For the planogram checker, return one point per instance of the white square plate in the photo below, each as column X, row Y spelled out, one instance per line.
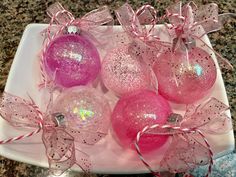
column 107, row 156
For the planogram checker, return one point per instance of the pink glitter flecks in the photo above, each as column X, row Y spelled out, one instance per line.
column 86, row 113
column 72, row 60
column 123, row 73
column 185, row 79
column 135, row 111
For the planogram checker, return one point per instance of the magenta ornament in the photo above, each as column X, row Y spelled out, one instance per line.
column 185, row 78
column 72, row 60
column 135, row 111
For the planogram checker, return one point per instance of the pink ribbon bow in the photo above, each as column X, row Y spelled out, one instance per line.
column 140, row 27
column 58, row 139
column 190, row 20
column 95, row 25
column 131, row 22
column 191, row 23
column 189, row 147
column 187, row 23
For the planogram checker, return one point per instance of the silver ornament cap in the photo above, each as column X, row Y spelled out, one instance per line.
column 72, row 29
column 59, row 119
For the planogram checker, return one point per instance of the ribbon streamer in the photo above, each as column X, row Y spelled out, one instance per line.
column 58, row 139
column 189, row 147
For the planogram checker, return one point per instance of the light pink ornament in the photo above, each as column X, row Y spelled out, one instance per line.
column 185, row 77
column 72, row 60
column 135, row 111
column 123, row 73
column 83, row 109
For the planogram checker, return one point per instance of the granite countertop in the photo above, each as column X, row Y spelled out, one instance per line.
column 16, row 14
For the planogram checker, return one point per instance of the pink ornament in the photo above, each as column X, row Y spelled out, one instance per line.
column 123, row 73
column 83, row 109
column 135, row 111
column 185, row 81
column 72, row 60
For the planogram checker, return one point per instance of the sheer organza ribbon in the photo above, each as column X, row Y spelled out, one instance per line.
column 187, row 22
column 59, row 140
column 189, row 146
column 140, row 25
column 95, row 25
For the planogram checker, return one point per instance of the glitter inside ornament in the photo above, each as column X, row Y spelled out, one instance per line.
column 83, row 109
column 124, row 73
column 72, row 60
column 185, row 81
column 135, row 111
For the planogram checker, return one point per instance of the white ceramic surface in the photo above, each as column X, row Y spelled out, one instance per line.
column 107, row 156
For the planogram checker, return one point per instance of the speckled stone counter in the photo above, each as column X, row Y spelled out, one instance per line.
column 16, row 14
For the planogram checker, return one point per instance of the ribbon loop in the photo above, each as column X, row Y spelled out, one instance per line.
column 146, row 15
column 190, row 18
column 19, row 112
column 98, row 25
column 211, row 117
column 207, row 17
column 186, row 152
column 139, row 26
column 58, row 12
column 175, row 14
column 98, row 17
column 60, row 149
column 125, row 16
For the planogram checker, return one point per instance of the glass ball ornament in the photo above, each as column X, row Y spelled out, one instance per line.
column 71, row 60
column 84, row 109
column 123, row 73
column 135, row 111
column 185, row 79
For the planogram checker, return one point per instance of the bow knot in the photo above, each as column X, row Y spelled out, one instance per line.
column 59, row 140
column 190, row 21
column 91, row 22
column 140, row 24
column 193, row 20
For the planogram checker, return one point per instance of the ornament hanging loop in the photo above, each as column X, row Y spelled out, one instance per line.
column 63, row 23
column 145, row 34
column 67, row 13
column 153, row 12
column 59, row 14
